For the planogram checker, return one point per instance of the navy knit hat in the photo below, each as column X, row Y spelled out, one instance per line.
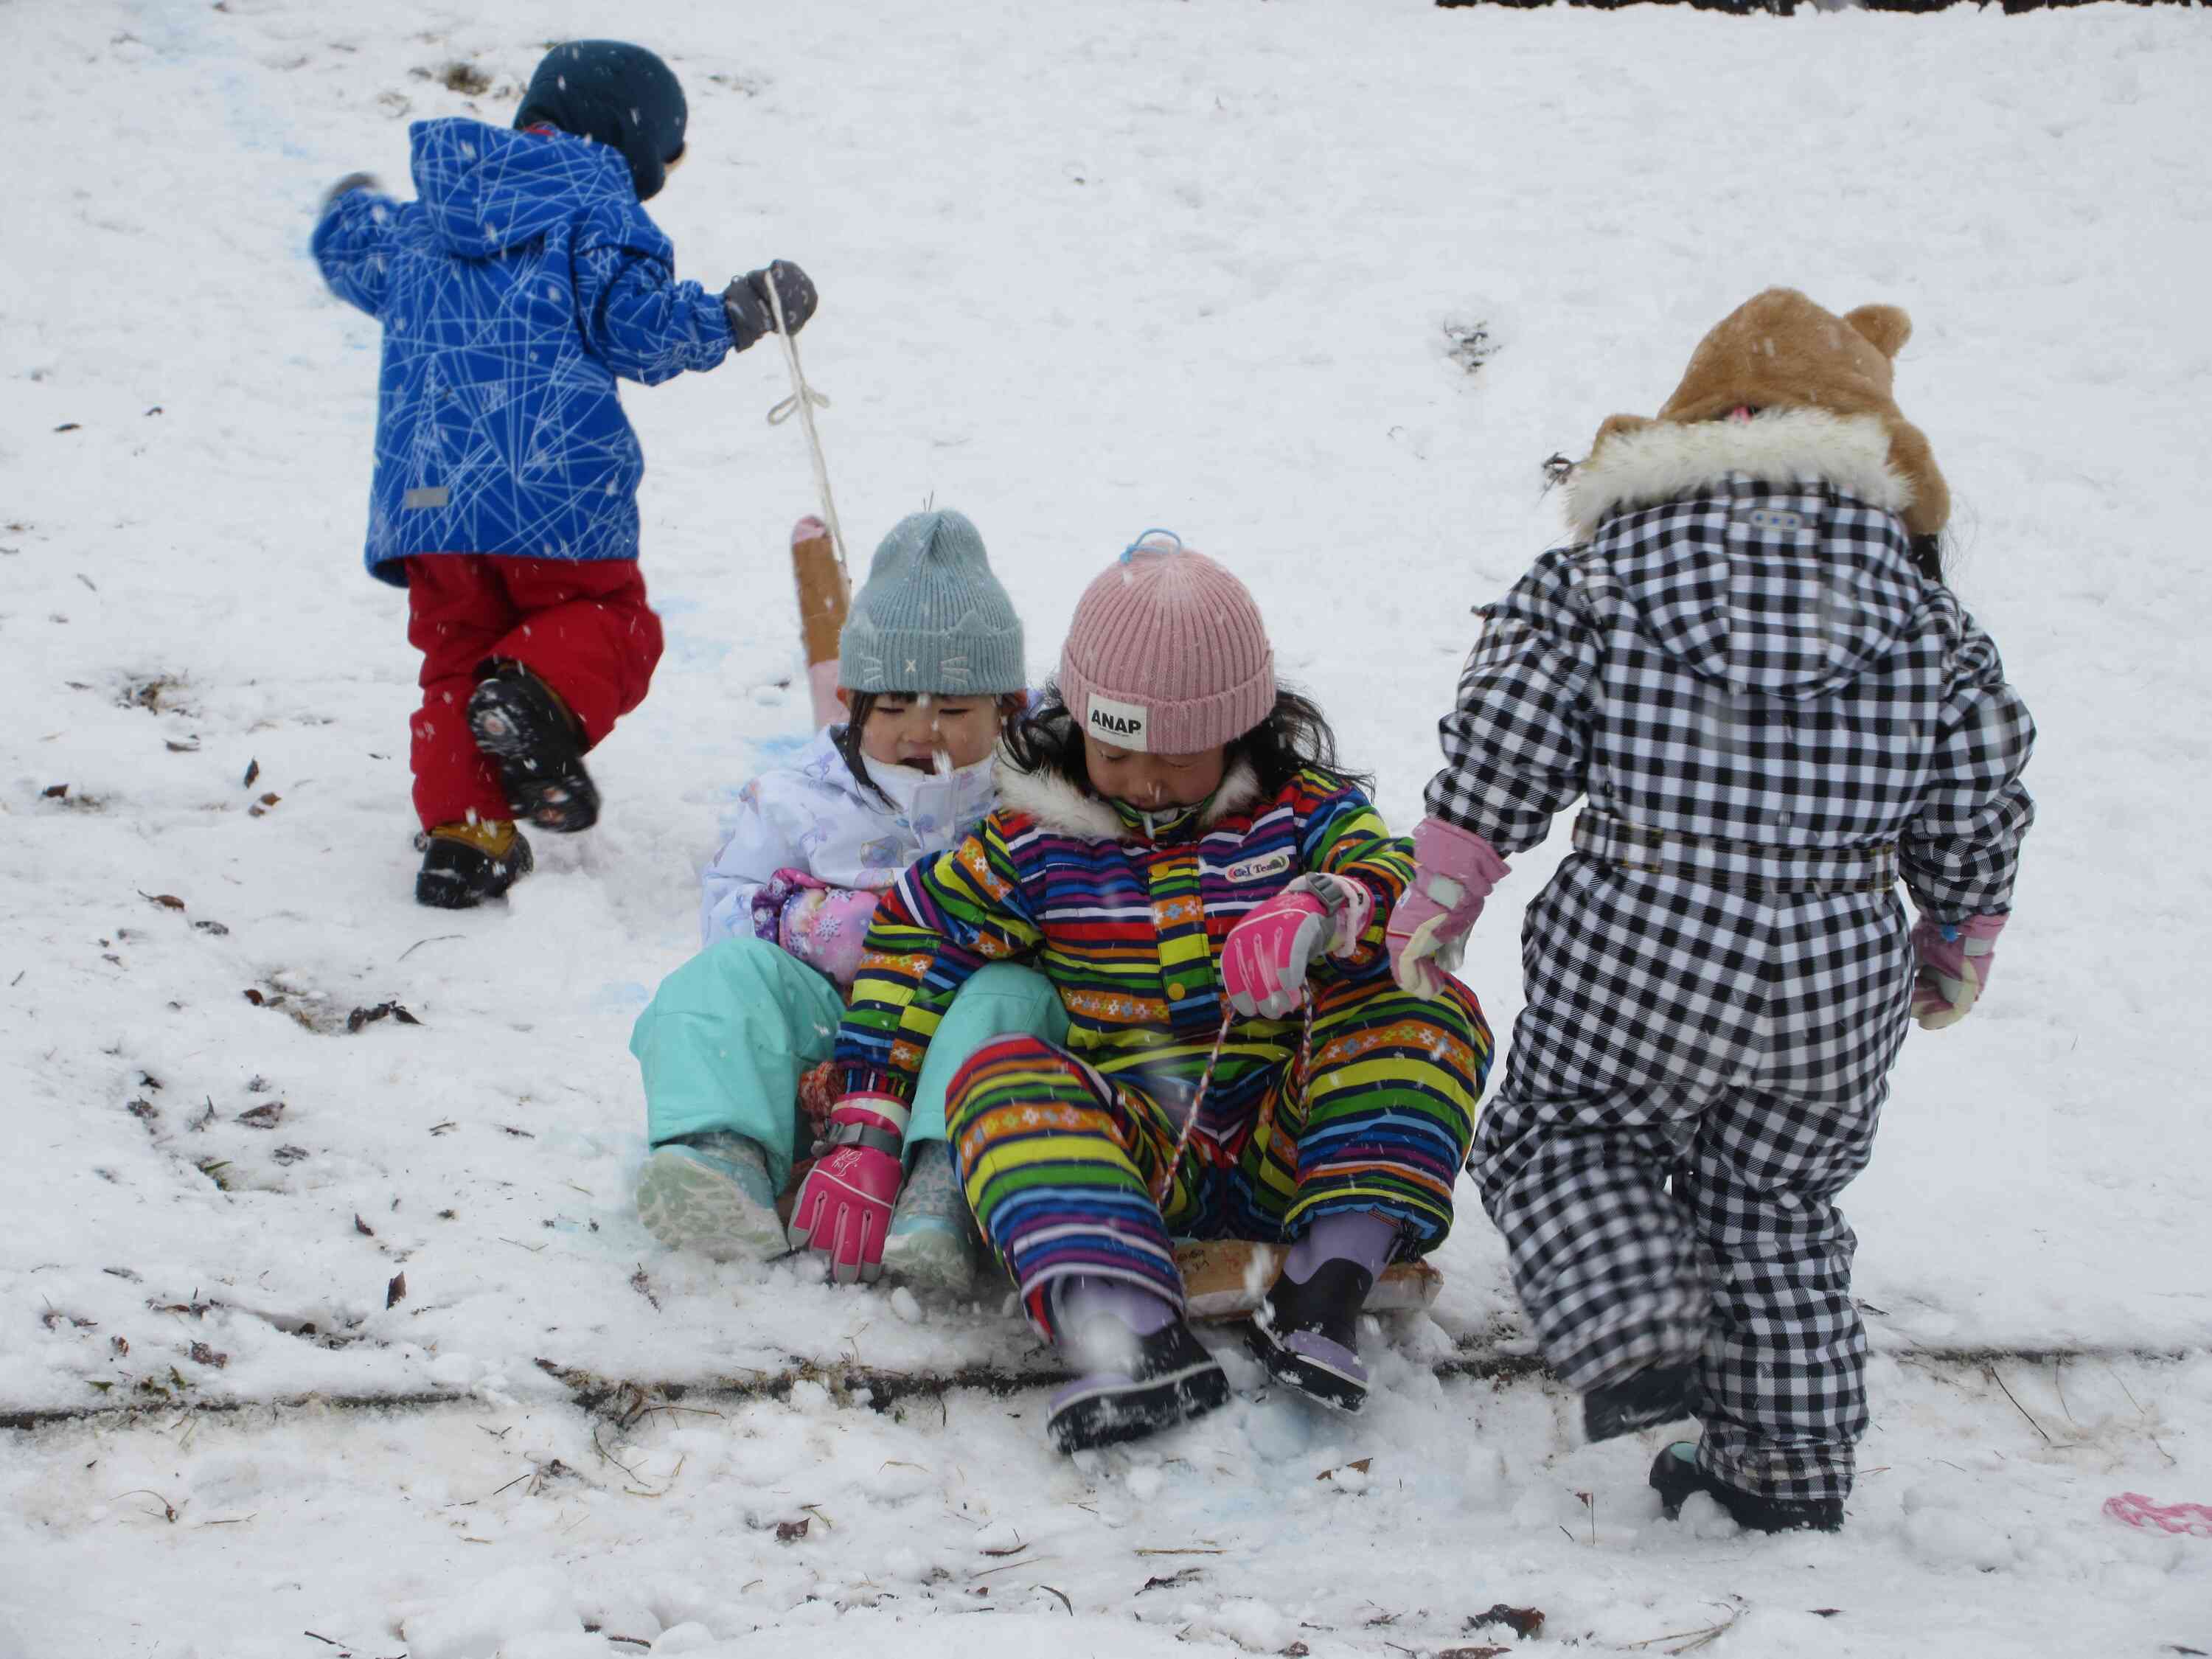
column 616, row 94
column 932, row 616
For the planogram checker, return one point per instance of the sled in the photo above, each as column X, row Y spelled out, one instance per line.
column 1223, row 1279
column 824, row 597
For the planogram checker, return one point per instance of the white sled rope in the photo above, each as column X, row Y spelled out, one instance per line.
column 804, row 400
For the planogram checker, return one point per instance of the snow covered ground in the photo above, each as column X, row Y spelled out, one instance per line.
column 952, row 1533
column 1085, row 268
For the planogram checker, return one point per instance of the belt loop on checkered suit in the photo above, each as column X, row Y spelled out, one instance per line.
column 1749, row 867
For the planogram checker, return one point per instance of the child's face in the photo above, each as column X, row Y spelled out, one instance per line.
column 927, row 733
column 1152, row 782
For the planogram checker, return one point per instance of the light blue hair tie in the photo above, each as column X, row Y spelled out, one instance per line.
column 1145, row 544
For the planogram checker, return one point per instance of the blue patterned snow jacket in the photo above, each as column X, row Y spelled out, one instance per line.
column 524, row 280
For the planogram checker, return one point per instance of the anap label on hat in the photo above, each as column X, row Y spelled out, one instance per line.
column 1121, row 724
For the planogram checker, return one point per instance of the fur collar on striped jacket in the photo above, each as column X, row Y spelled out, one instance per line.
column 1058, row 805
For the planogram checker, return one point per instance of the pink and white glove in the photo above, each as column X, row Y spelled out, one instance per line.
column 1454, row 869
column 826, row 927
column 843, row 1208
column 1954, row 964
column 1267, row 957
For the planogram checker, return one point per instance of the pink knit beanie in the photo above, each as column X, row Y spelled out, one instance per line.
column 1167, row 654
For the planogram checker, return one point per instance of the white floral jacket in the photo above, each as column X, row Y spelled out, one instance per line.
column 816, row 816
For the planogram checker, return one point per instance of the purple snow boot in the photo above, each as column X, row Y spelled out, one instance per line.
column 1306, row 1332
column 1139, row 1369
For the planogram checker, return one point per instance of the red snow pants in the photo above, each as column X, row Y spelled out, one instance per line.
column 583, row 629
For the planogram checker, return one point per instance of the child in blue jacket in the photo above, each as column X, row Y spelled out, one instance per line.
column 524, row 279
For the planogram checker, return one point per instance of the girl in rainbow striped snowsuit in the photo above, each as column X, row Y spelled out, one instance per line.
column 1173, row 850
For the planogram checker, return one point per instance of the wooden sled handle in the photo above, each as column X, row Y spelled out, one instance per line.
column 822, row 596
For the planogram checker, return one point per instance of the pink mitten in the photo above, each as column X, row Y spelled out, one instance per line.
column 843, row 1207
column 1454, row 869
column 1954, row 964
column 774, row 897
column 1264, row 959
column 825, row 927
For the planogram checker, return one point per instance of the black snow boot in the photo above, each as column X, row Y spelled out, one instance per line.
column 521, row 725
column 464, row 867
column 1644, row 1399
column 1142, row 1370
column 1308, row 1334
column 1675, row 1475
column 1306, row 1331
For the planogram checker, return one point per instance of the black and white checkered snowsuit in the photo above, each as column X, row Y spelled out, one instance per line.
column 1772, row 717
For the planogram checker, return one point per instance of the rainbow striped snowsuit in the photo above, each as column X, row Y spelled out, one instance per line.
column 1058, row 1147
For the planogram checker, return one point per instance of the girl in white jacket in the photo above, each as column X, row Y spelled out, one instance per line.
column 930, row 665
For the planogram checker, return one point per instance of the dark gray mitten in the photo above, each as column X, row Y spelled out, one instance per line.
column 352, row 181
column 745, row 302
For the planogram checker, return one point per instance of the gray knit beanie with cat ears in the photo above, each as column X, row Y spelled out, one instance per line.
column 932, row 618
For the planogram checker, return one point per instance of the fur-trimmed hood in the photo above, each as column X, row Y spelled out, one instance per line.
column 1766, row 556
column 1779, row 352
column 1058, row 805
column 1646, row 465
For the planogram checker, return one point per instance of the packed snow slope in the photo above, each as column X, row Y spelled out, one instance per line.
column 803, row 1529
column 1318, row 283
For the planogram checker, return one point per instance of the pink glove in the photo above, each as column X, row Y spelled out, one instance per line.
column 1454, row 869
column 826, row 927
column 843, row 1207
column 1955, row 968
column 775, row 896
column 1265, row 957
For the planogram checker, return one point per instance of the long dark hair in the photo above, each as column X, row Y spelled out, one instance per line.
column 861, row 704
column 1294, row 737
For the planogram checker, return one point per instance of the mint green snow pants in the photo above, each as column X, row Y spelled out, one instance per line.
column 726, row 1039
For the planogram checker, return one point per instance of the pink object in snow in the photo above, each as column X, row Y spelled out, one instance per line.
column 2137, row 1511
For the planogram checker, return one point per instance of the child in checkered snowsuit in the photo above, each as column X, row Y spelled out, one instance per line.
column 1749, row 667
column 1174, row 851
